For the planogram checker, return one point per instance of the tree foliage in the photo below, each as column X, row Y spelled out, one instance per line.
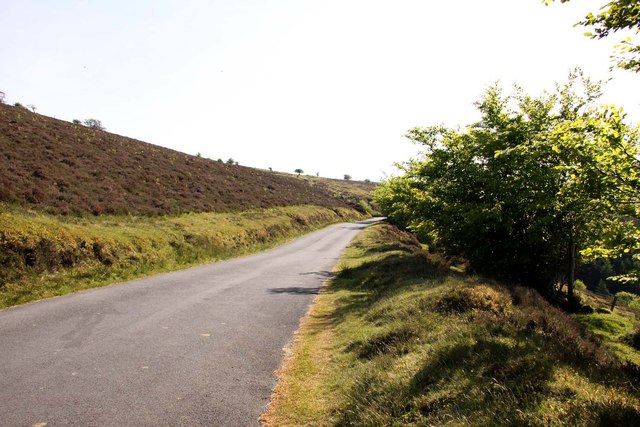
column 94, row 124
column 298, row 171
column 536, row 183
column 614, row 16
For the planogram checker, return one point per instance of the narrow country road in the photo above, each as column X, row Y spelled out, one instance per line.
column 197, row 347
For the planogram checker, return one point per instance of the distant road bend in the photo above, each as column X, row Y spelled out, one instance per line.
column 196, row 347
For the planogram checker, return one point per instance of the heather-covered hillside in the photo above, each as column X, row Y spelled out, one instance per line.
column 64, row 167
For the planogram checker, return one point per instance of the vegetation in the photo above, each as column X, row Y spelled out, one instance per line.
column 616, row 328
column 298, row 171
column 80, row 207
column 93, row 124
column 43, row 255
column 522, row 194
column 64, row 168
column 397, row 338
column 614, row 16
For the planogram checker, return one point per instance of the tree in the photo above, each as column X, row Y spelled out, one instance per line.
column 602, row 288
column 94, row 124
column 298, row 171
column 614, row 16
column 524, row 194
column 347, row 177
column 230, row 161
column 32, row 107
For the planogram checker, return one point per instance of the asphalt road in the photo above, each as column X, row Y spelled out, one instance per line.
column 197, row 347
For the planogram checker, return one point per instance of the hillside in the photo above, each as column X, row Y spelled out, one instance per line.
column 64, row 167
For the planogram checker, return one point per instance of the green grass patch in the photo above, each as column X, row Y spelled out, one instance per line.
column 397, row 338
column 43, row 255
column 617, row 331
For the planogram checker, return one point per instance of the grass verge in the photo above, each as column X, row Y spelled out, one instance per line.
column 398, row 338
column 44, row 255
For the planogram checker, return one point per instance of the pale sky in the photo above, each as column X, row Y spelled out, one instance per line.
column 328, row 86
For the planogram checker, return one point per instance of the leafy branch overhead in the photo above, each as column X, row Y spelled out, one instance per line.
column 616, row 15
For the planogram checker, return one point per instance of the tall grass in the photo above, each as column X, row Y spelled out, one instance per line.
column 44, row 255
column 398, row 338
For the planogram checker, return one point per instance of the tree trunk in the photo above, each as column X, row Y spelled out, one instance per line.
column 572, row 268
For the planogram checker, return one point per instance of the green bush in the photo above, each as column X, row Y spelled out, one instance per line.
column 579, row 285
column 626, row 298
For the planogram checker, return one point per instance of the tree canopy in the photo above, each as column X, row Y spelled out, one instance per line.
column 614, row 16
column 535, row 184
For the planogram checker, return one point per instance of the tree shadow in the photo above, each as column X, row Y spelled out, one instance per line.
column 295, row 290
column 326, row 274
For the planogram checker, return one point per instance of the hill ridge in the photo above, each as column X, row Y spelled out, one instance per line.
column 64, row 167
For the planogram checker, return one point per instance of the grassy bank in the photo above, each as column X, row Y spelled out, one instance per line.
column 44, row 255
column 618, row 329
column 398, row 338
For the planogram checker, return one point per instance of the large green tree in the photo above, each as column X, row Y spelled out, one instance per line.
column 523, row 193
column 614, row 16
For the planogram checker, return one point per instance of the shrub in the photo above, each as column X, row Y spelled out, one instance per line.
column 626, row 298
column 94, row 124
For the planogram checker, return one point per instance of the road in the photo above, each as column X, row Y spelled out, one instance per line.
column 197, row 347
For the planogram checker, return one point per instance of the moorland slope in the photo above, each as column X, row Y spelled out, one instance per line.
column 64, row 168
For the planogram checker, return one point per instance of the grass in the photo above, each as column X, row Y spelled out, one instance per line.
column 398, row 338
column 354, row 193
column 616, row 329
column 44, row 255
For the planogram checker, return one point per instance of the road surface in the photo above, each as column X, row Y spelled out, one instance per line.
column 196, row 347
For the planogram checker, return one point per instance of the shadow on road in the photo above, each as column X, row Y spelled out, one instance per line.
column 295, row 290
column 326, row 274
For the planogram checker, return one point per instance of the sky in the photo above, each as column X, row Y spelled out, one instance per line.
column 327, row 86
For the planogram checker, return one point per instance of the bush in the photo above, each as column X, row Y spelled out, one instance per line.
column 627, row 298
column 94, row 124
